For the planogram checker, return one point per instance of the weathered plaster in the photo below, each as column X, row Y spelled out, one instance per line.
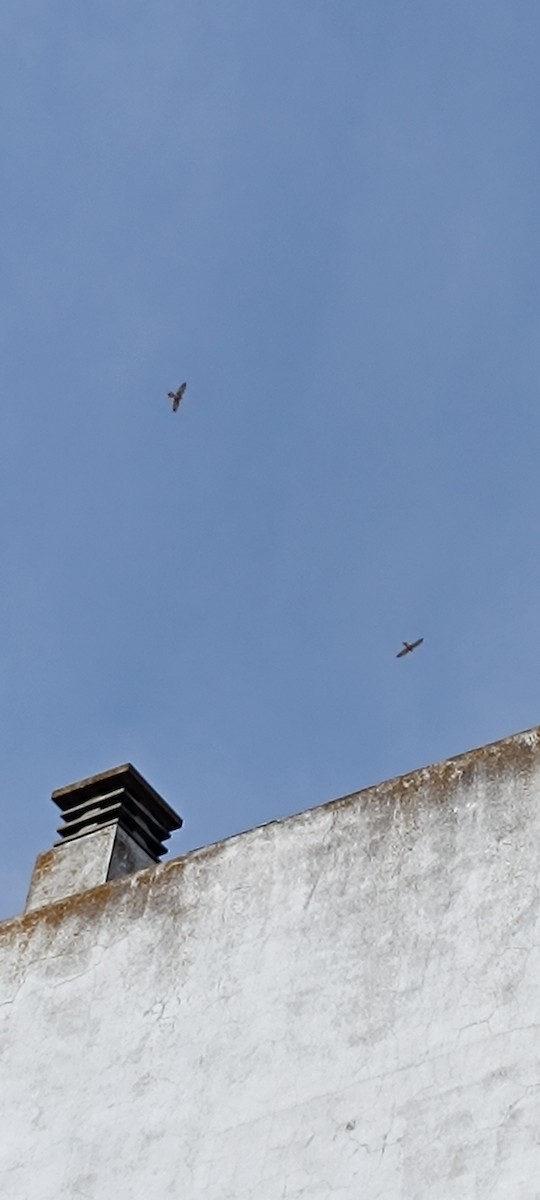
column 340, row 1006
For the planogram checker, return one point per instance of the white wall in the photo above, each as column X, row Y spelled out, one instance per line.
column 341, row 1006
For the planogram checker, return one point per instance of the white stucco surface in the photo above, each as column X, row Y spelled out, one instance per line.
column 341, row 1006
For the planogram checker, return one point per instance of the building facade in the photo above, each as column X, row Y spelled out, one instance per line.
column 343, row 1005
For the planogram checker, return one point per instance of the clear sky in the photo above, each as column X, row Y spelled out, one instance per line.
column 324, row 214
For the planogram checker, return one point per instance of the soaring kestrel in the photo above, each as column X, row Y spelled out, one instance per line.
column 176, row 397
column 408, row 648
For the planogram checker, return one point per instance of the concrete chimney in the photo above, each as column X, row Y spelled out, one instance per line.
column 113, row 824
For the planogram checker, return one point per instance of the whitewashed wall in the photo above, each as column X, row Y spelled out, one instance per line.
column 341, row 1006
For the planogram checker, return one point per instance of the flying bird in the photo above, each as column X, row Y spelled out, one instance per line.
column 408, row 648
column 176, row 397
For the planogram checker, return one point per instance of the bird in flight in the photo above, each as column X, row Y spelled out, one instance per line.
column 176, row 397
column 408, row 647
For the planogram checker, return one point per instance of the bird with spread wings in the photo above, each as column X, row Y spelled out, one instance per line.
column 408, row 647
column 177, row 396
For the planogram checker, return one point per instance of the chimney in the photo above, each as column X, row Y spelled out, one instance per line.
column 113, row 824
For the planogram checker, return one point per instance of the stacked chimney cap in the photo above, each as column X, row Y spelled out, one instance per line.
column 119, row 797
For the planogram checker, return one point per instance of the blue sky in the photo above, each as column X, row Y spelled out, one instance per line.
column 324, row 216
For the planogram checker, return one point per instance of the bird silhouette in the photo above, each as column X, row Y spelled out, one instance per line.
column 408, row 647
column 176, row 397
